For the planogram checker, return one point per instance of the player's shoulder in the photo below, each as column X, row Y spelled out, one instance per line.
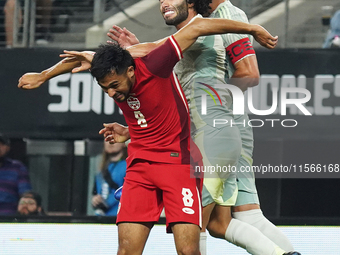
column 140, row 64
column 227, row 10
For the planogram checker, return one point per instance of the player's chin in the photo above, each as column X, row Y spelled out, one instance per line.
column 120, row 98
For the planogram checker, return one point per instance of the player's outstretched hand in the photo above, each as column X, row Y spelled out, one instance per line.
column 263, row 37
column 31, row 81
column 84, row 57
column 122, row 36
column 115, row 133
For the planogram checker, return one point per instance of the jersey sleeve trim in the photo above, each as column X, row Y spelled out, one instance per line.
column 176, row 46
column 240, row 49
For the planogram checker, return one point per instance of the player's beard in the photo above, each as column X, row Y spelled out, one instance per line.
column 182, row 14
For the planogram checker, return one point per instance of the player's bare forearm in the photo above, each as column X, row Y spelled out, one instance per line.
column 246, row 73
column 35, row 80
column 74, row 61
column 244, row 81
column 60, row 68
column 142, row 49
column 206, row 26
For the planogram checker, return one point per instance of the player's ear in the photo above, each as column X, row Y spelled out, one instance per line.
column 130, row 72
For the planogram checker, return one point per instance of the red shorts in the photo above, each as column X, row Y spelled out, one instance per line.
column 149, row 186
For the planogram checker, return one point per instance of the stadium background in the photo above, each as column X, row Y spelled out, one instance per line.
column 54, row 129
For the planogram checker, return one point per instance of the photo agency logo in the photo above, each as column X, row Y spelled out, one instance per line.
column 280, row 99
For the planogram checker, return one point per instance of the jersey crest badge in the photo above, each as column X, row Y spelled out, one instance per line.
column 133, row 103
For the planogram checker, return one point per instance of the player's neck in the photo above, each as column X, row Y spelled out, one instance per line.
column 191, row 15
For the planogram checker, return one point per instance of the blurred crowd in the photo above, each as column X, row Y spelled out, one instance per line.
column 18, row 198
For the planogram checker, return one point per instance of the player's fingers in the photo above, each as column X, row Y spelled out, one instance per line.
column 274, row 38
column 109, row 125
column 20, row 83
column 67, row 58
column 273, row 42
column 115, row 32
column 124, row 37
column 117, row 28
column 26, row 86
column 272, row 45
column 109, row 138
column 73, row 53
column 113, row 37
column 127, row 32
column 77, row 70
column 107, row 134
column 103, row 130
column 110, row 42
column 63, row 55
column 269, row 46
column 266, row 42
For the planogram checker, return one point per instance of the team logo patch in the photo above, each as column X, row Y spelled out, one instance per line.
column 188, row 210
column 133, row 103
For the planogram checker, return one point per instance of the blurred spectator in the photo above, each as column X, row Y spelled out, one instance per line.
column 43, row 21
column 333, row 37
column 7, row 8
column 110, row 178
column 14, row 179
column 30, row 204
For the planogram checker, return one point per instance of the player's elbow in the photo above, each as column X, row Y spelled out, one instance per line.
column 253, row 78
column 246, row 79
column 254, row 81
column 196, row 27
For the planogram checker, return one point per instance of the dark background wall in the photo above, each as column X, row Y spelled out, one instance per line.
column 80, row 108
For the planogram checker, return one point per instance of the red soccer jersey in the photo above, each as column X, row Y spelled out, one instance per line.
column 156, row 110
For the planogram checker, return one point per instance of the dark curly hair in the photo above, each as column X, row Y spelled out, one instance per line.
column 201, row 6
column 108, row 58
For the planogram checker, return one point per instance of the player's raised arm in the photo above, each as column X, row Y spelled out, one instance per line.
column 142, row 49
column 186, row 36
column 35, row 80
column 122, row 36
column 129, row 41
column 73, row 63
